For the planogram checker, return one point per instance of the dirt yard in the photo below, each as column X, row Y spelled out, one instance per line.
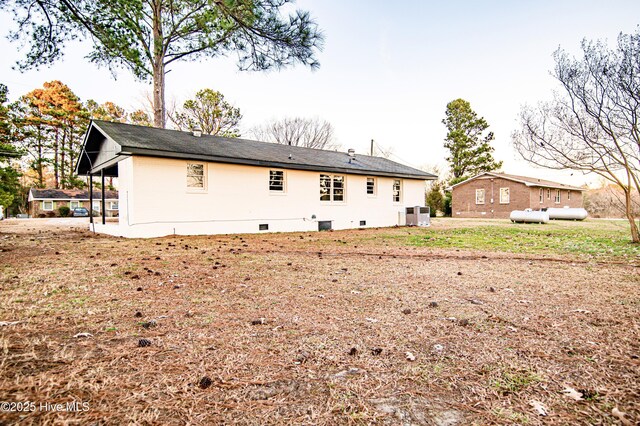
column 345, row 327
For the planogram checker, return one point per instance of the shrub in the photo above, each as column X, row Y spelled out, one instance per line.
column 64, row 211
column 50, row 214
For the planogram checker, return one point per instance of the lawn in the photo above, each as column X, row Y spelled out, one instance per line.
column 465, row 322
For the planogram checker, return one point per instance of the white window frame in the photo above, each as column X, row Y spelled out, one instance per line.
column 332, row 189
column 548, row 193
column 96, row 206
column 189, row 174
column 557, row 197
column 508, row 197
column 74, row 204
column 396, row 193
column 284, row 182
column 374, row 187
column 44, row 206
column 480, row 196
column 541, row 195
column 112, row 203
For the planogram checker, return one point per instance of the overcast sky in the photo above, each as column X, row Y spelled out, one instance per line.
column 387, row 71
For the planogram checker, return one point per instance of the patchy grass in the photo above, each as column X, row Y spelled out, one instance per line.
column 599, row 240
column 314, row 328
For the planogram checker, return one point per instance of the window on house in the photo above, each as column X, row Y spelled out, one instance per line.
column 568, row 195
column 74, row 204
column 548, row 194
column 195, row 175
column 504, row 195
column 557, row 196
column 371, row 186
column 47, row 205
column 276, row 180
column 541, row 195
column 96, row 206
column 113, row 205
column 397, row 190
column 479, row 196
column 331, row 188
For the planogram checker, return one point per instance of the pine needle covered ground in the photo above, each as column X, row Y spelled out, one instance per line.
column 466, row 322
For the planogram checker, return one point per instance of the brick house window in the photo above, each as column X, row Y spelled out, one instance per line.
column 479, row 196
column 276, row 180
column 548, row 194
column 397, row 190
column 504, row 195
column 47, row 205
column 557, row 200
column 74, row 204
column 371, row 186
column 541, row 195
column 195, row 176
column 569, row 195
column 332, row 188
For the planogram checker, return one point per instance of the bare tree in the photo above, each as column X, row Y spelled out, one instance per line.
column 209, row 112
column 306, row 132
column 591, row 125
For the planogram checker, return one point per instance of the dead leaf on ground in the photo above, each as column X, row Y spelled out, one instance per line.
column 572, row 393
column 539, row 407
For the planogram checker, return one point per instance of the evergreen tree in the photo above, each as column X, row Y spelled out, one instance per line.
column 146, row 37
column 470, row 152
column 9, row 185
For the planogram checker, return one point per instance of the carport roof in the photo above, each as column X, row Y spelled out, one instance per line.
column 106, row 143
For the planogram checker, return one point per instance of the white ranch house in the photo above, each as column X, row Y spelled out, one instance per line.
column 173, row 182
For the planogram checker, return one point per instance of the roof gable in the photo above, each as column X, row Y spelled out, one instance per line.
column 126, row 139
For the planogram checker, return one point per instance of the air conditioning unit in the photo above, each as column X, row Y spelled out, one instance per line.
column 417, row 216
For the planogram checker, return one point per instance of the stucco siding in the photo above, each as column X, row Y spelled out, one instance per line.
column 155, row 200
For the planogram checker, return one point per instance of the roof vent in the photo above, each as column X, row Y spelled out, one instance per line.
column 197, row 132
column 351, row 152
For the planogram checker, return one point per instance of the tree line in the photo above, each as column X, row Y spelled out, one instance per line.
column 41, row 137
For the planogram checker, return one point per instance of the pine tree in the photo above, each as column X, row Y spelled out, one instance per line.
column 468, row 145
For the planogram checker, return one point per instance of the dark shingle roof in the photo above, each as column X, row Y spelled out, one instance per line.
column 69, row 194
column 139, row 140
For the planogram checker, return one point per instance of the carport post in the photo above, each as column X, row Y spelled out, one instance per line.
column 104, row 217
column 90, row 198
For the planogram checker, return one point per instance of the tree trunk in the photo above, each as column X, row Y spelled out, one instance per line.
column 628, row 209
column 158, row 67
column 56, row 170
column 63, row 159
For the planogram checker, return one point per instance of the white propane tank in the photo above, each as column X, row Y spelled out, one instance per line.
column 529, row 216
column 567, row 213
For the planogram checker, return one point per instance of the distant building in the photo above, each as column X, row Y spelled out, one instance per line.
column 496, row 195
column 46, row 202
column 173, row 182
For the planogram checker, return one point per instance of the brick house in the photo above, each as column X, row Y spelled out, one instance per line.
column 46, row 202
column 496, row 195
